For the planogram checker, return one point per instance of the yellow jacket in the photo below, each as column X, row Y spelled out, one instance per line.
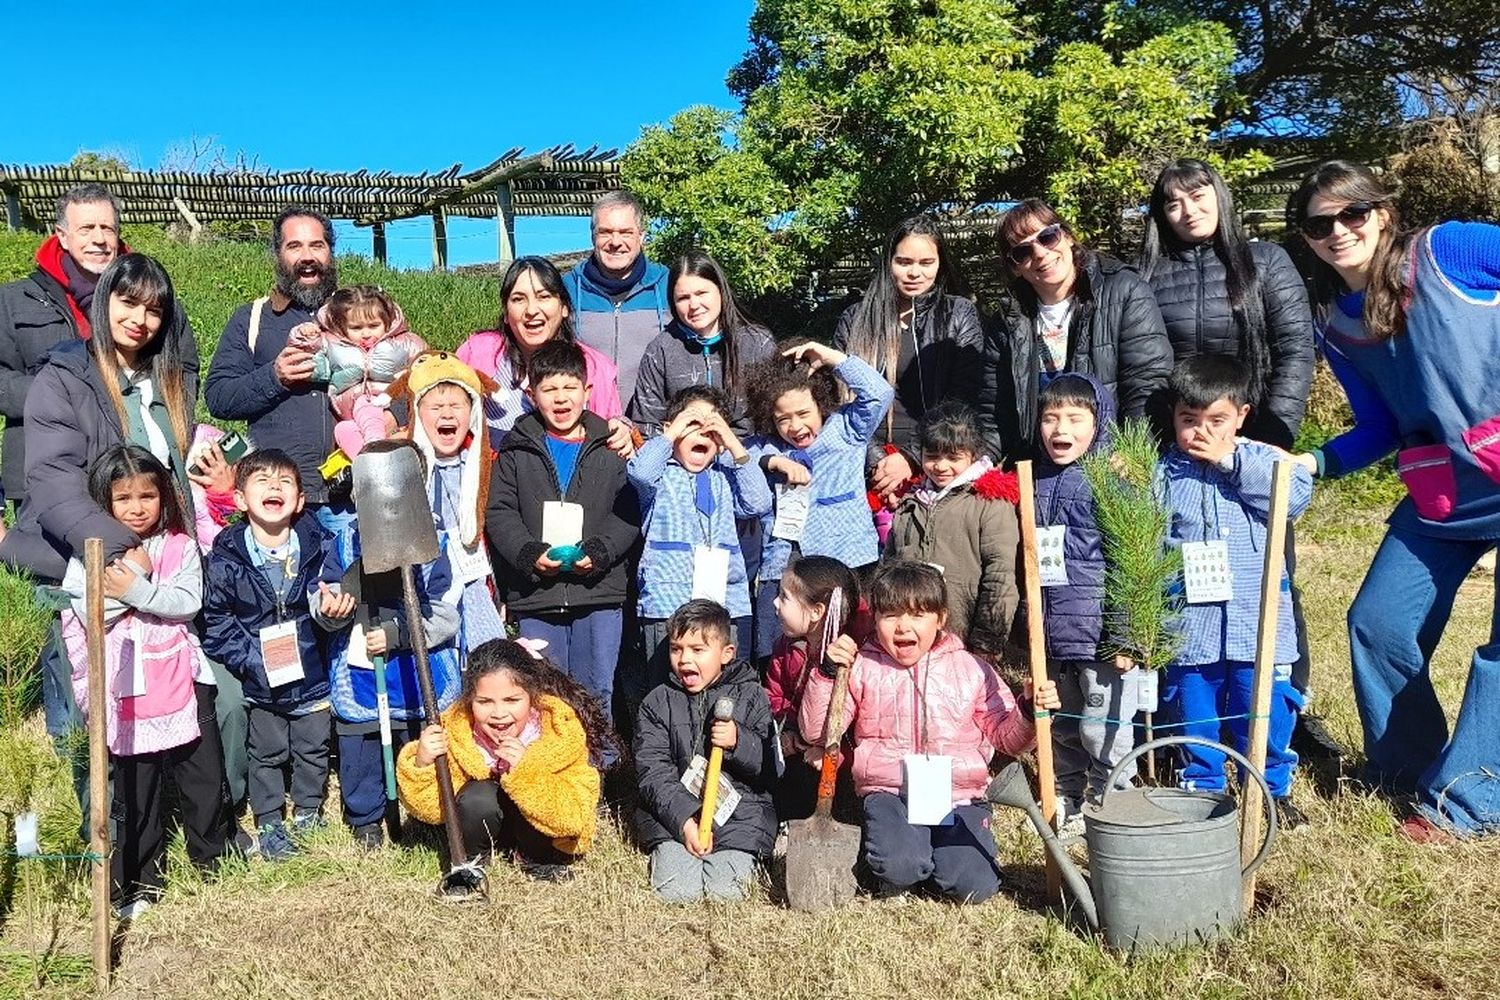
column 553, row 784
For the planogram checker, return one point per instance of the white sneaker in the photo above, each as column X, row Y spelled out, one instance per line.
column 132, row 910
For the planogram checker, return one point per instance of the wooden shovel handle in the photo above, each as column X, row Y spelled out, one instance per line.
column 833, row 733
column 1037, row 644
column 457, row 854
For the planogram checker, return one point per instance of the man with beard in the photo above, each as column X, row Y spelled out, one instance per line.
column 257, row 376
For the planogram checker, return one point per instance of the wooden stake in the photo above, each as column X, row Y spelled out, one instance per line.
column 1046, row 778
column 439, row 239
column 1251, row 805
column 93, row 561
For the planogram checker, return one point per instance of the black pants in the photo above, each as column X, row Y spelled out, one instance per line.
column 491, row 822
column 138, row 864
column 279, row 743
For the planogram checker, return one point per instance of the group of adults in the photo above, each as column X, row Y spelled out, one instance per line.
column 1412, row 323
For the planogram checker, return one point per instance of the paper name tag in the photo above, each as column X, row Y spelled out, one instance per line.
column 1147, row 694
column 1052, row 564
column 130, row 676
column 468, row 564
column 1205, row 572
column 711, row 574
column 692, row 780
column 357, row 656
column 280, row 654
column 26, row 835
column 792, row 504
column 562, row 523
column 928, row 789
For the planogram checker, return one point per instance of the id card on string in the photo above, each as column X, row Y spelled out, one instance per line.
column 1147, row 692
column 468, row 564
column 792, row 504
column 1205, row 571
column 280, row 654
column 562, row 523
column 929, row 789
column 1052, row 564
column 711, row 573
column 729, row 799
column 357, row 655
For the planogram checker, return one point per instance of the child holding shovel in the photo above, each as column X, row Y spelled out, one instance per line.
column 927, row 717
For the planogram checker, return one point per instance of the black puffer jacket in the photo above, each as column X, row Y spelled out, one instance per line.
column 943, row 363
column 1189, row 286
column 1116, row 335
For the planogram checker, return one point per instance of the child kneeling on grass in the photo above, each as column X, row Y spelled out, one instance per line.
column 523, row 743
column 927, row 718
column 675, row 733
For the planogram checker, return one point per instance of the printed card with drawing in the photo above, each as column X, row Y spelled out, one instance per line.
column 468, row 564
column 280, row 654
column 1052, row 564
column 692, row 780
column 1205, row 571
column 792, row 505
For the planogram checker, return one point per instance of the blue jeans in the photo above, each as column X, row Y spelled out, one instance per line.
column 1203, row 694
column 1395, row 623
column 585, row 645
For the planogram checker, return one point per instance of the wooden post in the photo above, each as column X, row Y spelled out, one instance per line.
column 1251, row 829
column 195, row 228
column 505, row 224
column 13, row 220
column 439, row 239
column 1045, row 776
column 378, row 231
column 93, row 558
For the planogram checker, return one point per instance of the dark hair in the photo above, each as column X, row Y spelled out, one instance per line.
column 950, row 428
column 537, row 675
column 815, row 578
column 265, row 460
column 547, row 276
column 1384, row 311
column 903, row 585
column 768, row 380
column 126, row 461
column 558, row 357
column 1241, row 278
column 1067, row 389
column 363, row 301
column 696, row 394
column 300, row 212
column 875, row 334
column 708, row 618
column 1019, row 222
column 86, row 194
column 1204, row 379
column 140, row 278
column 698, row 264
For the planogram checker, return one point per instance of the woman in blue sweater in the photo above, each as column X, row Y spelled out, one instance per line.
column 1411, row 325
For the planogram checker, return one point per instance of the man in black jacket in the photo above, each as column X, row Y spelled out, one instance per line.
column 51, row 306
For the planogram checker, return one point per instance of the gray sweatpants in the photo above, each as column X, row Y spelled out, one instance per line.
column 679, row 877
column 1085, row 750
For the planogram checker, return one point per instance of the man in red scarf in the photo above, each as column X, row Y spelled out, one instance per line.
column 51, row 307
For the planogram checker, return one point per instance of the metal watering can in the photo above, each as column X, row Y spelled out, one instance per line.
column 1164, row 863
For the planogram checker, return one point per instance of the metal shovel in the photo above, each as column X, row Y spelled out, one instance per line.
column 820, row 851
column 396, row 531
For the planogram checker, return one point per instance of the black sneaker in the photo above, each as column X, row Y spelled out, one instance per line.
column 1312, row 740
column 539, row 872
column 1289, row 817
column 370, row 836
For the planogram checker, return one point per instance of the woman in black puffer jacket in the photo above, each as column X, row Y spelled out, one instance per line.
column 1069, row 310
column 1222, row 294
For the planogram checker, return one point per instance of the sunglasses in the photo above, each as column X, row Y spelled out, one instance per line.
column 1046, row 239
column 1353, row 216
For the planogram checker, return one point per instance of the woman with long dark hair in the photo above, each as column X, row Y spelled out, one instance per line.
column 709, row 341
column 1069, row 309
column 916, row 327
column 1411, row 327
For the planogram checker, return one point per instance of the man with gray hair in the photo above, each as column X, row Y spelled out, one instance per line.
column 619, row 297
column 51, row 306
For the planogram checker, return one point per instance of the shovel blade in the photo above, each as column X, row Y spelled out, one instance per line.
column 395, row 517
column 820, row 858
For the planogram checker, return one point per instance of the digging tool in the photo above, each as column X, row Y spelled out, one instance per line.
column 93, row 564
column 396, row 531
column 723, row 711
column 351, row 585
column 1045, row 776
column 820, row 852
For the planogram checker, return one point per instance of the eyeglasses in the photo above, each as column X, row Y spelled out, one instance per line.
column 1046, row 239
column 1353, row 216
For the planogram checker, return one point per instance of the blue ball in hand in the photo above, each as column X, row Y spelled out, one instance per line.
column 568, row 555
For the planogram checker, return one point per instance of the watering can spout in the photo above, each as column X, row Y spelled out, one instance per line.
column 1012, row 788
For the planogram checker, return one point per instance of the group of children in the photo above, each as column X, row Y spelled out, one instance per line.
column 706, row 591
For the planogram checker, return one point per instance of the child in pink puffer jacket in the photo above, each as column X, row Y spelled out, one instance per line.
column 927, row 717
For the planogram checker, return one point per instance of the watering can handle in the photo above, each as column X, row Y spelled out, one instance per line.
column 1239, row 759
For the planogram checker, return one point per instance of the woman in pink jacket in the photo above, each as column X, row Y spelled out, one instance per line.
column 927, row 717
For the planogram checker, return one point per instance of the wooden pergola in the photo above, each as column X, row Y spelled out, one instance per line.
column 560, row 181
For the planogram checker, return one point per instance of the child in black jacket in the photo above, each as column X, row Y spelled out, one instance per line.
column 675, row 733
column 561, row 521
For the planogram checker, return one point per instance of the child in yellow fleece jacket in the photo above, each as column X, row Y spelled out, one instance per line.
column 522, row 743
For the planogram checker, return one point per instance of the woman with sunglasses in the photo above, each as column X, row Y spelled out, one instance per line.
column 916, row 328
column 1411, row 326
column 1069, row 309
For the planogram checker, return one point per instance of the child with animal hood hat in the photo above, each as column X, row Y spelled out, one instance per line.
column 445, row 400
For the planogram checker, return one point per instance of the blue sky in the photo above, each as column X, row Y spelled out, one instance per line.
column 381, row 85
